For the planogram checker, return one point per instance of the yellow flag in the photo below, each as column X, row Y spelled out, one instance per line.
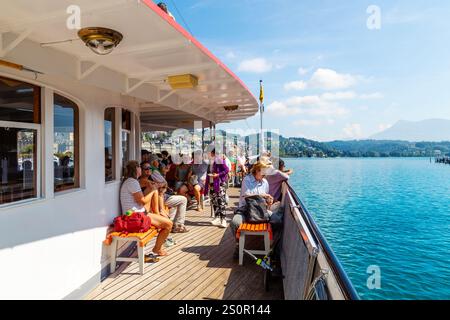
column 261, row 92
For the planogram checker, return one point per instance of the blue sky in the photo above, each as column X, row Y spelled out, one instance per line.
column 327, row 75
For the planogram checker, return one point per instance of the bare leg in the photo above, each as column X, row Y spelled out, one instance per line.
column 198, row 196
column 164, row 225
column 152, row 201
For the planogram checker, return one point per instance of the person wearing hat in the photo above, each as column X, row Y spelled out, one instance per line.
column 216, row 180
column 253, row 184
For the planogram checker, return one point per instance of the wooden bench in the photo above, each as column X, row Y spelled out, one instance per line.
column 262, row 229
column 141, row 239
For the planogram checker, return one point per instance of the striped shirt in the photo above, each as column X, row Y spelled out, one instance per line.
column 130, row 187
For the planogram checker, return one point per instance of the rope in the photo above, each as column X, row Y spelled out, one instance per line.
column 317, row 289
column 181, row 16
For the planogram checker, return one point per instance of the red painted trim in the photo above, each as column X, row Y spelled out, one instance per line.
column 188, row 36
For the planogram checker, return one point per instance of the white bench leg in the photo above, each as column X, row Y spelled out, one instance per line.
column 266, row 242
column 141, row 259
column 241, row 248
column 113, row 255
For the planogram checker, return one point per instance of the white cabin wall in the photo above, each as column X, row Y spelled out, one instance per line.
column 51, row 246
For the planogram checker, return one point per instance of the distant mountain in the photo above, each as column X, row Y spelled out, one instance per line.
column 428, row 130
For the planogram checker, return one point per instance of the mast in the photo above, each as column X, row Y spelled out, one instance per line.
column 261, row 112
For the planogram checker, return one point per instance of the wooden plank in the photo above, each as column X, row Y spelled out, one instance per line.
column 171, row 288
column 162, row 266
column 165, row 272
column 180, row 238
column 174, row 273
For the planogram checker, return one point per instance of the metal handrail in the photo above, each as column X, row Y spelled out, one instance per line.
column 339, row 272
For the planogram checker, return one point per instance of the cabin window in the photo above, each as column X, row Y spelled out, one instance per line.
column 19, row 136
column 65, row 144
column 109, row 124
column 125, row 138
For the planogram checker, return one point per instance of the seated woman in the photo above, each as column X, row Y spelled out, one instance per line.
column 181, row 176
column 253, row 184
column 197, row 178
column 132, row 198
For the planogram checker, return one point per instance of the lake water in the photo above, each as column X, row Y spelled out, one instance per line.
column 390, row 213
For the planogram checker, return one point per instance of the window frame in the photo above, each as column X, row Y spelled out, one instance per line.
column 113, row 143
column 37, row 159
column 77, row 158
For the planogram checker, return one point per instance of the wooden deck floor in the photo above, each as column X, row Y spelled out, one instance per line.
column 199, row 267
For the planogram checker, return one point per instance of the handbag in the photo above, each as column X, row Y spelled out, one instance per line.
column 256, row 210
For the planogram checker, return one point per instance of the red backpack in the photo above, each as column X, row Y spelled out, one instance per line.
column 135, row 223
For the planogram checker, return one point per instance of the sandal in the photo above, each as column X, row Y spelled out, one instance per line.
column 180, row 229
column 151, row 258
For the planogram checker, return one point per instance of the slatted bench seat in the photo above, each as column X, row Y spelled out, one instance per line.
column 262, row 229
column 141, row 239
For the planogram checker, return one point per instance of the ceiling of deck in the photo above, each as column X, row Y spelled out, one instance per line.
column 154, row 47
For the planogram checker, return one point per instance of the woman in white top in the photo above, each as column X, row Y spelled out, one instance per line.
column 132, row 198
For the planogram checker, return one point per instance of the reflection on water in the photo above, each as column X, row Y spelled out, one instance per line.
column 392, row 213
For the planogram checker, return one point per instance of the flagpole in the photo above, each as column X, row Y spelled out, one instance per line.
column 261, row 112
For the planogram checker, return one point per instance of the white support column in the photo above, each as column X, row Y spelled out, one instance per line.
column 132, row 142
column 47, row 143
column 118, row 143
column 137, row 138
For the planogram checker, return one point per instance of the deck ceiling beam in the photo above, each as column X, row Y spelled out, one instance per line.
column 129, row 89
column 173, row 70
column 62, row 15
column 22, row 36
column 83, row 74
column 152, row 48
column 165, row 97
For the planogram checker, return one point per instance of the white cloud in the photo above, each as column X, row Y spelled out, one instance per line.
column 312, row 122
column 257, row 65
column 307, row 123
column 324, row 111
column 328, row 79
column 278, row 108
column 371, row 96
column 342, row 95
column 230, row 55
column 295, row 85
column 303, row 71
column 315, row 106
column 383, row 126
column 353, row 131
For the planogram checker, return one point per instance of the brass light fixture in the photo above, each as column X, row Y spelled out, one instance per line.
column 100, row 40
column 231, row 108
column 184, row 81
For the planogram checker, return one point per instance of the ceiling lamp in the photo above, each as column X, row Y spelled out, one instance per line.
column 184, row 81
column 231, row 108
column 100, row 40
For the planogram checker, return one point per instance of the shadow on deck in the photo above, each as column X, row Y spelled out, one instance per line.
column 199, row 267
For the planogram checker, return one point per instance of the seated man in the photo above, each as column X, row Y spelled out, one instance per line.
column 275, row 178
column 253, row 184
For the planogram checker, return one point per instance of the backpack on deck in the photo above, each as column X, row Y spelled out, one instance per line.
column 256, row 210
column 137, row 222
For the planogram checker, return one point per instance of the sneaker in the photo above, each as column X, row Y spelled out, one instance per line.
column 216, row 222
column 169, row 243
column 223, row 224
